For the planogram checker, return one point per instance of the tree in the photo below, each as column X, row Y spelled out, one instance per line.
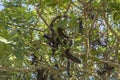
column 60, row 40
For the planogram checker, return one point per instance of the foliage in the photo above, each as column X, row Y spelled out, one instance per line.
column 60, row 40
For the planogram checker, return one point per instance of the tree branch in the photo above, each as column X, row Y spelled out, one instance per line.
column 110, row 27
column 40, row 15
column 68, row 8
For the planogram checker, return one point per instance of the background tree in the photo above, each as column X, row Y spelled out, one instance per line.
column 60, row 40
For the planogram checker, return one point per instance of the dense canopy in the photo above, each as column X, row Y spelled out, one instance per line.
column 59, row 40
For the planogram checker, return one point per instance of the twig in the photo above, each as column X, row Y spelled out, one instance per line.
column 110, row 63
column 110, row 27
column 75, row 5
column 92, row 25
column 83, row 3
column 68, row 8
column 3, row 68
column 32, row 69
column 40, row 15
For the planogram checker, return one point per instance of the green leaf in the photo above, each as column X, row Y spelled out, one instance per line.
column 52, row 4
column 5, row 40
